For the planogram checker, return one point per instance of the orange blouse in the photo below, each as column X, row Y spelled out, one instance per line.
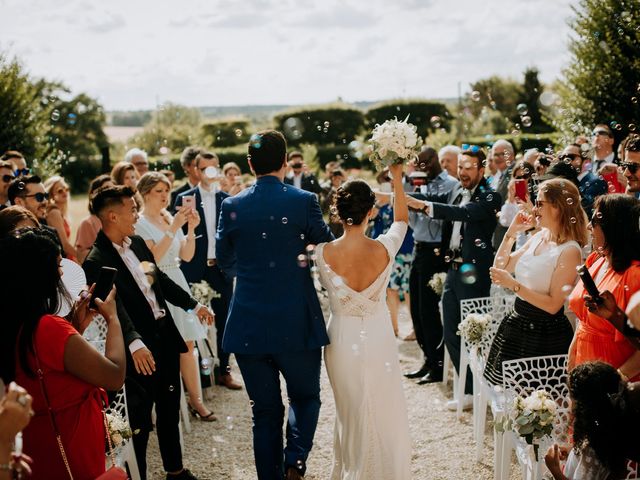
column 597, row 338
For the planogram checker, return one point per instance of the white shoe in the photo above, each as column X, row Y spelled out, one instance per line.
column 467, row 403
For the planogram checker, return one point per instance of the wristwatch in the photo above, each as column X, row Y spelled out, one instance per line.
column 516, row 288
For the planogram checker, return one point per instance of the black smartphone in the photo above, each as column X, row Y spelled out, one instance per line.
column 589, row 284
column 104, row 284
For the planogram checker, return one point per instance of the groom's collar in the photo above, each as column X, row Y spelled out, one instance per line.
column 268, row 179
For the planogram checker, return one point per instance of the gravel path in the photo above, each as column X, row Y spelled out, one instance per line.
column 442, row 446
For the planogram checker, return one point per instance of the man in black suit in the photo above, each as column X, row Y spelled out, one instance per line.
column 470, row 221
column 299, row 178
column 590, row 185
column 188, row 162
column 154, row 343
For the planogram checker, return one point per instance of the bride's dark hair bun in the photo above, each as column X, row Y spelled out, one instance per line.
column 353, row 201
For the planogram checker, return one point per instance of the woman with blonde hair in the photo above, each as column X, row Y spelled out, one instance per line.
column 545, row 272
column 232, row 183
column 163, row 235
column 57, row 212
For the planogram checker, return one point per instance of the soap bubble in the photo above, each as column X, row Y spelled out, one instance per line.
column 475, row 96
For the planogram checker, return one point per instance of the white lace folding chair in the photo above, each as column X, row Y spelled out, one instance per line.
column 446, row 363
column 520, row 378
column 124, row 453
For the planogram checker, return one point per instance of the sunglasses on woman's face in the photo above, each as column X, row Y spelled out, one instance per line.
column 631, row 166
column 7, row 178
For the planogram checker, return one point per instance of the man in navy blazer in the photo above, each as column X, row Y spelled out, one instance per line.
column 470, row 221
column 275, row 324
column 204, row 265
column 590, row 185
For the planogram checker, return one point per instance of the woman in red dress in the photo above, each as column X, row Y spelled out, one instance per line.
column 614, row 266
column 74, row 372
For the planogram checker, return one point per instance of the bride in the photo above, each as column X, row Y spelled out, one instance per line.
column 371, row 433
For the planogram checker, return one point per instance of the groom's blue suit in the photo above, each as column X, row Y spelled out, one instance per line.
column 275, row 322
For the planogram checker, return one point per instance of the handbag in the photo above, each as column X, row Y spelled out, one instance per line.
column 114, row 472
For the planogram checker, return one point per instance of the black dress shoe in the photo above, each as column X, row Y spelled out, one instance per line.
column 183, row 475
column 418, row 373
column 432, row 376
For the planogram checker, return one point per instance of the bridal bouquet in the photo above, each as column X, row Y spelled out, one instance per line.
column 473, row 327
column 394, row 142
column 203, row 293
column 531, row 417
column 437, row 282
column 119, row 429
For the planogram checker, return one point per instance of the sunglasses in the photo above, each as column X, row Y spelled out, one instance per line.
column 631, row 166
column 521, row 177
column 569, row 156
column 22, row 171
column 599, row 133
column 7, row 178
column 40, row 197
column 473, row 148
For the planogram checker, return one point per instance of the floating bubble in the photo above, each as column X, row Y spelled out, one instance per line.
column 387, row 366
column 526, row 121
column 55, row 115
column 515, row 132
column 436, row 121
column 477, row 242
column 293, row 128
column 475, row 96
column 251, row 403
column 573, row 220
column 285, row 220
column 468, row 273
column 447, row 258
column 632, row 127
column 71, row 119
column 229, row 422
column 238, row 132
column 569, row 201
column 211, row 172
column 349, row 221
column 522, row 109
column 233, row 215
column 436, row 252
column 302, row 237
column 264, row 235
column 547, row 99
column 171, row 388
column 327, row 124
column 634, row 99
column 489, row 197
column 302, row 261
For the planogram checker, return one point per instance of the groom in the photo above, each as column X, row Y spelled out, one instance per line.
column 275, row 324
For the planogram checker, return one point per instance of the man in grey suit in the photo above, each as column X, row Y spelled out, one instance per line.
column 503, row 156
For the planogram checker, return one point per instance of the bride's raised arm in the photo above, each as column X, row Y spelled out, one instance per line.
column 400, row 210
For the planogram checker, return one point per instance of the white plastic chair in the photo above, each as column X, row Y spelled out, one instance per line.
column 520, row 378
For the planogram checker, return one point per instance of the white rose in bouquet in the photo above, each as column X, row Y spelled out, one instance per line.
column 394, row 142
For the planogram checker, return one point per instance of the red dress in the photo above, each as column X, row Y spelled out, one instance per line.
column 596, row 338
column 77, row 407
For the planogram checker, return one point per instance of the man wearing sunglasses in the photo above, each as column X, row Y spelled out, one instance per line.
column 6, row 177
column 631, row 165
column 602, row 143
column 589, row 184
column 17, row 160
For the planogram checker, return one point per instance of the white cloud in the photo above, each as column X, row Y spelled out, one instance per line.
column 200, row 52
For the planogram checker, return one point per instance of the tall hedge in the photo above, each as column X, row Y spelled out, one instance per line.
column 425, row 115
column 226, row 133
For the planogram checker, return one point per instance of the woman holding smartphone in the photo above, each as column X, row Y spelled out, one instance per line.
column 615, row 267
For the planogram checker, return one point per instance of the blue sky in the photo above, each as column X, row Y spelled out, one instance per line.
column 132, row 53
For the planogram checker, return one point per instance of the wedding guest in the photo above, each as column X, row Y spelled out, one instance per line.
column 605, row 423
column 631, row 165
column 427, row 261
column 90, row 225
column 18, row 161
column 521, row 171
column 300, row 179
column 138, row 158
column 15, row 415
column 14, row 218
column 275, row 324
column 163, row 234
column 602, row 142
column 58, row 212
column 504, row 159
column 614, row 265
column 448, row 157
column 589, row 184
column 153, row 341
column 472, row 203
column 48, row 356
column 6, row 177
column 329, row 168
column 337, row 178
column 232, row 182
column 124, row 173
column 187, row 160
column 543, row 268
column 204, row 265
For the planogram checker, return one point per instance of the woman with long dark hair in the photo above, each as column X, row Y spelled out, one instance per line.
column 47, row 356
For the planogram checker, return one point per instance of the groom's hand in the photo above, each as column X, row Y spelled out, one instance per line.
column 204, row 314
column 143, row 361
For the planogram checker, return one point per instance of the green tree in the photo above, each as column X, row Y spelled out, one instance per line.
column 497, row 93
column 602, row 82
column 226, row 133
column 530, row 118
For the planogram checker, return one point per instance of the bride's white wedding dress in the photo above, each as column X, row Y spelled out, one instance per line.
column 371, row 436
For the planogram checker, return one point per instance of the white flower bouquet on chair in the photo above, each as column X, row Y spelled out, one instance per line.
column 473, row 328
column 203, row 293
column 531, row 417
column 394, row 142
column 119, row 429
column 437, row 282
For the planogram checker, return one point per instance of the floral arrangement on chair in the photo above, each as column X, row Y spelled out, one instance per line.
column 119, row 429
column 394, row 142
column 437, row 282
column 203, row 293
column 472, row 328
column 531, row 417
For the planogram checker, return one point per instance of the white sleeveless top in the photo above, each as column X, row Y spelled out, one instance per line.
column 535, row 271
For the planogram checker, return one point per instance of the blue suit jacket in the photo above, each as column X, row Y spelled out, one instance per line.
column 195, row 269
column 261, row 232
column 591, row 187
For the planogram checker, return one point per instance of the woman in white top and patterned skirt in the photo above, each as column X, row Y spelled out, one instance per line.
column 164, row 237
column 545, row 272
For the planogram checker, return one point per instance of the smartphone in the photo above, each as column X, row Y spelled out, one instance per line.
column 613, row 185
column 189, row 201
column 106, row 278
column 521, row 189
column 589, row 284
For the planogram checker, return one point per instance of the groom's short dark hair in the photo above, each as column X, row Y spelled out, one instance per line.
column 267, row 150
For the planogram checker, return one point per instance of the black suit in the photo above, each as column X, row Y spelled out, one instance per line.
column 308, row 183
column 478, row 218
column 160, row 336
